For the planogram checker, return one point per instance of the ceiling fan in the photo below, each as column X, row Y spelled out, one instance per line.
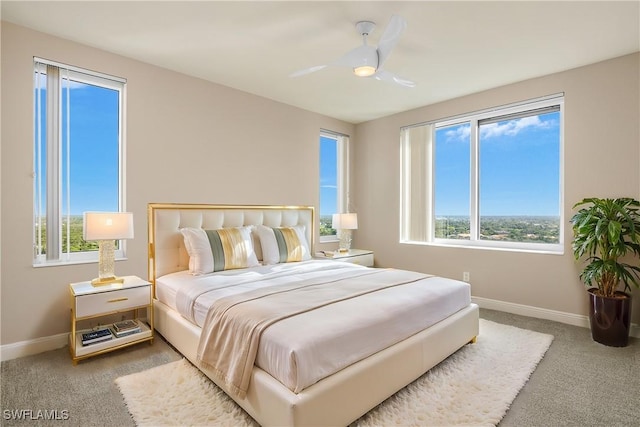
column 367, row 60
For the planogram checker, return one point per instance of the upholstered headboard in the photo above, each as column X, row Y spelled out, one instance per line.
column 167, row 253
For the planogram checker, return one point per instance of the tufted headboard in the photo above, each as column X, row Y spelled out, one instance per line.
column 167, row 253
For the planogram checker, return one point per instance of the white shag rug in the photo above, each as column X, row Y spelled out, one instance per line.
column 474, row 386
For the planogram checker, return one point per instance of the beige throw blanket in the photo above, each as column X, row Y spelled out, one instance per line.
column 231, row 332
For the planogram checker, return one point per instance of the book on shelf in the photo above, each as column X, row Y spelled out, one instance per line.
column 126, row 325
column 120, row 334
column 99, row 335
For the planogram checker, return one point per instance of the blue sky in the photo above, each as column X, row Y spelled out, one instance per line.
column 518, row 163
column 94, row 148
column 328, row 173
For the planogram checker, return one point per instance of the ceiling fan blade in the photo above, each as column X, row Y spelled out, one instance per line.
column 351, row 59
column 390, row 37
column 390, row 77
column 307, row 71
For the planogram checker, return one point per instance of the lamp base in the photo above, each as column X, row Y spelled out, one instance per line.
column 103, row 281
column 345, row 240
column 106, row 263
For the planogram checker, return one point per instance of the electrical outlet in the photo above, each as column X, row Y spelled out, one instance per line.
column 465, row 276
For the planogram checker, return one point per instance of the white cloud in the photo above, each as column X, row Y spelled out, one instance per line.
column 491, row 130
column 460, row 133
column 513, row 127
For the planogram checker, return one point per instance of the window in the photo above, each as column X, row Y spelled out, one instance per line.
column 334, row 182
column 490, row 179
column 78, row 157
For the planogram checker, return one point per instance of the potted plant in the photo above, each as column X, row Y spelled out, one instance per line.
column 605, row 230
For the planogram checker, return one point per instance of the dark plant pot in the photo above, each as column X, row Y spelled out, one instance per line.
column 610, row 318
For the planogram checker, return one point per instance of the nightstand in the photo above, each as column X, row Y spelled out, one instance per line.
column 354, row 256
column 89, row 302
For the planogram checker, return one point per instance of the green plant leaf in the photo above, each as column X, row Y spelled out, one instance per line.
column 615, row 228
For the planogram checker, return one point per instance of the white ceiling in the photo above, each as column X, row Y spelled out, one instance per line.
column 449, row 48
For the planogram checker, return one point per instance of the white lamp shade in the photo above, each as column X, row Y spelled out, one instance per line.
column 345, row 221
column 107, row 226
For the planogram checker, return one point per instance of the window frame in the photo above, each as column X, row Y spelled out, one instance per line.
column 342, row 179
column 88, row 77
column 475, row 119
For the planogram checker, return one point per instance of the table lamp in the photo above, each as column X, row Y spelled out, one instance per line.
column 343, row 223
column 106, row 227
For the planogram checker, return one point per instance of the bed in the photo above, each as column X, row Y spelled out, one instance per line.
column 301, row 372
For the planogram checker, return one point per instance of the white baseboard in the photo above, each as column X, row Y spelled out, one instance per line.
column 542, row 313
column 38, row 345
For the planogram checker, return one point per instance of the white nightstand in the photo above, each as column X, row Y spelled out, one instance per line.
column 89, row 302
column 354, row 256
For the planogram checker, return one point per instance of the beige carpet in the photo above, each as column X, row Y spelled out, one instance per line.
column 474, row 386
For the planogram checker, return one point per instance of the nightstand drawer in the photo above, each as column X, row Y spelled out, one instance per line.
column 107, row 302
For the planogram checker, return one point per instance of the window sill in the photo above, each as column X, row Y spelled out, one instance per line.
column 70, row 262
column 328, row 239
column 543, row 249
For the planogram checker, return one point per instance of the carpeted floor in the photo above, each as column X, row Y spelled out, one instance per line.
column 577, row 383
column 474, row 386
column 48, row 381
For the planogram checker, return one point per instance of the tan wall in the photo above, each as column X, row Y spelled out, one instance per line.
column 185, row 134
column 602, row 156
column 187, row 141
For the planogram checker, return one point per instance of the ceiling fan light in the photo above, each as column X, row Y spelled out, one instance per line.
column 364, row 71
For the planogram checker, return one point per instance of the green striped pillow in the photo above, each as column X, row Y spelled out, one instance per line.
column 218, row 250
column 283, row 244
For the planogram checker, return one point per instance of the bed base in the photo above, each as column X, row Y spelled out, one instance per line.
column 345, row 396
column 336, row 400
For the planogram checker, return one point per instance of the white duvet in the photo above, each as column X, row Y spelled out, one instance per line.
column 301, row 350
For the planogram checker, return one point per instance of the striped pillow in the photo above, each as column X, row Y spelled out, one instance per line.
column 283, row 244
column 217, row 250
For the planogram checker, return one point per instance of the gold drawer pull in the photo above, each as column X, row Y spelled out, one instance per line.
column 118, row 299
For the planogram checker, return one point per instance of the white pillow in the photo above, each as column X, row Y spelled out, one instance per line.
column 283, row 244
column 217, row 250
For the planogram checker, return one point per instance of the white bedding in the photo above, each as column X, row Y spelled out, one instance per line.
column 301, row 350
